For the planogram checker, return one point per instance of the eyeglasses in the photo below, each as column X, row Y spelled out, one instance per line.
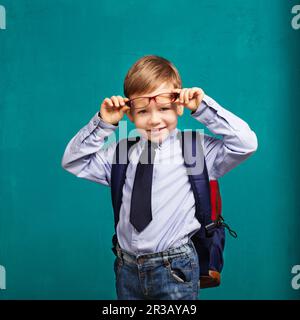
column 162, row 99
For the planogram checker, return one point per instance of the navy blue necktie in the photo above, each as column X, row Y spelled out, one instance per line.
column 140, row 210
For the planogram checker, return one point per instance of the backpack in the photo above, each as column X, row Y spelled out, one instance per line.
column 209, row 241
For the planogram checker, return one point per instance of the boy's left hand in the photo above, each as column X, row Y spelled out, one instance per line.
column 190, row 97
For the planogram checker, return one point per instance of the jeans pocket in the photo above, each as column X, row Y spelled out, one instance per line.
column 180, row 269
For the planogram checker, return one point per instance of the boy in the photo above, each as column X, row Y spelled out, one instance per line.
column 156, row 258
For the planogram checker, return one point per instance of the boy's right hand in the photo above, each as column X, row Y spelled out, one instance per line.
column 113, row 109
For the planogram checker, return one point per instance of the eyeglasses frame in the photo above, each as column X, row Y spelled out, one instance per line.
column 175, row 94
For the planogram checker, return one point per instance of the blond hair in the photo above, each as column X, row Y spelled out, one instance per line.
column 148, row 73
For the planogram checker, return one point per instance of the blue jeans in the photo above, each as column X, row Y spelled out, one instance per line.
column 168, row 275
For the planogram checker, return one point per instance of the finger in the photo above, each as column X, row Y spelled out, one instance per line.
column 199, row 93
column 127, row 102
column 121, row 101
column 186, row 96
column 115, row 101
column 124, row 108
column 181, row 98
column 198, row 90
column 191, row 93
column 108, row 102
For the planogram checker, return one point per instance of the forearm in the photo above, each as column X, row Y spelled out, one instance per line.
column 237, row 135
column 84, row 156
column 238, row 141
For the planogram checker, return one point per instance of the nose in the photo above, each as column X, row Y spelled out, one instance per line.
column 154, row 117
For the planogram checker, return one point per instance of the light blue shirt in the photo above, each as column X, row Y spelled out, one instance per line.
column 173, row 203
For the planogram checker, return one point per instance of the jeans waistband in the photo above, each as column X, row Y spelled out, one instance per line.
column 186, row 248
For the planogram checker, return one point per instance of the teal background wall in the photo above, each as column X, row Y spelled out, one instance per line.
column 59, row 59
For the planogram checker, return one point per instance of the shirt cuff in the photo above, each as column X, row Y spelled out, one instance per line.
column 97, row 123
column 206, row 111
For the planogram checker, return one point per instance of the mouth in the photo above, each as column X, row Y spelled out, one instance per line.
column 156, row 130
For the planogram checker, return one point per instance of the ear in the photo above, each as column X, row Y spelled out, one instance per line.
column 129, row 115
column 180, row 109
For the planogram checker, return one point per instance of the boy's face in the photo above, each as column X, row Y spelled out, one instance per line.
column 155, row 121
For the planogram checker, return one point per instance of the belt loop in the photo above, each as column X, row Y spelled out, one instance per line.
column 119, row 253
column 165, row 255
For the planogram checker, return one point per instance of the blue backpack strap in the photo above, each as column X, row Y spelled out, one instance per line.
column 209, row 245
column 194, row 160
column 118, row 175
